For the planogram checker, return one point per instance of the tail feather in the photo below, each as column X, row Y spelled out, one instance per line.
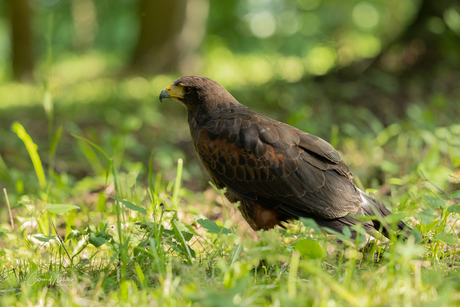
column 371, row 207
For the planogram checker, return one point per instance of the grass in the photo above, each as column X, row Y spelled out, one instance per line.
column 131, row 243
column 142, row 228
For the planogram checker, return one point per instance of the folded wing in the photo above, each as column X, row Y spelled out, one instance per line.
column 277, row 165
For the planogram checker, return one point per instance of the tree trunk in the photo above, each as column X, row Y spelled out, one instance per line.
column 22, row 57
column 170, row 33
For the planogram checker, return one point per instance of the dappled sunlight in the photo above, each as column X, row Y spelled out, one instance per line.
column 452, row 18
column 289, row 22
column 291, row 69
column 255, row 69
column 320, row 59
column 72, row 67
column 266, row 21
column 87, row 92
column 365, row 15
column 158, row 83
column 366, row 45
column 85, row 23
column 17, row 94
column 355, row 45
column 262, row 24
column 221, row 65
column 138, row 87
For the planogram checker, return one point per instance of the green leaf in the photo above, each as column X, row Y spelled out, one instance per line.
column 310, row 249
column 427, row 216
column 134, row 207
column 70, row 236
column 432, row 158
column 33, row 267
column 310, row 223
column 430, row 226
column 44, row 239
column 168, row 233
column 187, row 236
column 139, row 272
column 446, row 238
column 454, row 209
column 104, row 235
column 456, row 194
column 96, row 241
column 60, row 208
column 346, row 232
column 213, row 227
column 434, row 202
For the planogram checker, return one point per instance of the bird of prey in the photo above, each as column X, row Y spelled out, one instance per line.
column 275, row 171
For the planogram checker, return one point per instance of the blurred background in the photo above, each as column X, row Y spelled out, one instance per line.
column 377, row 79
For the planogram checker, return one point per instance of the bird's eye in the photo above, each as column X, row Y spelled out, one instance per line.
column 187, row 89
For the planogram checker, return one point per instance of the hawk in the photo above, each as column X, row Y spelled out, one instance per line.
column 275, row 171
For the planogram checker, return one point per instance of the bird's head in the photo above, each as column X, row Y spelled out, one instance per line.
column 198, row 93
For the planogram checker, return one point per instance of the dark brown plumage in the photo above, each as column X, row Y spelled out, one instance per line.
column 277, row 172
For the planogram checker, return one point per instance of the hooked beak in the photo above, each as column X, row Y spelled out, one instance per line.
column 165, row 93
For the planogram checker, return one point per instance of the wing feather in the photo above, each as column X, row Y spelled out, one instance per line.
column 278, row 165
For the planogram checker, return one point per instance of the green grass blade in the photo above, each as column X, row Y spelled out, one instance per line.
column 117, row 197
column 49, row 109
column 32, row 150
column 53, row 148
column 151, row 188
column 292, row 287
column 183, row 242
column 158, row 263
column 334, row 135
column 177, row 184
column 236, row 253
column 150, row 179
column 92, row 158
column 92, row 144
column 4, row 171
